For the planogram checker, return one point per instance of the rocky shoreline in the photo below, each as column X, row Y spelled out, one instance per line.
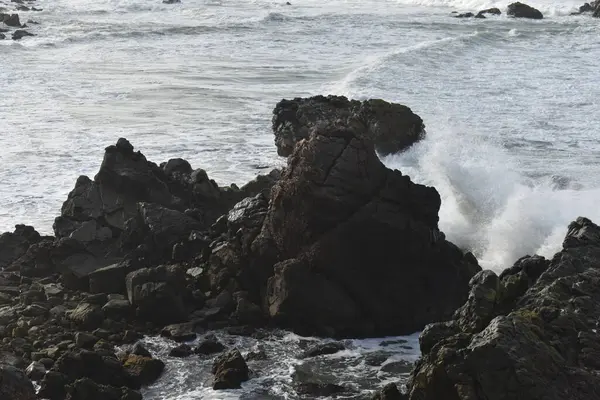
column 333, row 245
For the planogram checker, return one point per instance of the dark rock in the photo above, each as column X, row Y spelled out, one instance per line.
column 324, row 349
column 520, row 10
column 532, row 333
column 85, row 340
column 146, row 370
column 117, row 309
column 171, row 1
column 209, row 345
column 390, row 392
column 336, row 209
column 492, row 11
column 13, row 245
column 105, row 370
column 86, row 315
column 110, row 279
column 87, row 389
column 587, row 7
column 180, row 332
column 2, row 36
column 392, row 127
column 11, row 20
column 140, row 350
column 35, row 371
column 230, row 370
column 315, row 389
column 14, row 384
column 20, row 34
column 157, row 293
column 465, row 15
column 181, row 351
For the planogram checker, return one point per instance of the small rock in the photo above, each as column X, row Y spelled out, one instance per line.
column 318, row 389
column 140, row 350
column 35, row 371
column 180, row 332
column 230, row 370
column 520, row 10
column 209, row 345
column 20, row 33
column 181, row 351
column 324, row 349
column 85, row 340
column 145, row 369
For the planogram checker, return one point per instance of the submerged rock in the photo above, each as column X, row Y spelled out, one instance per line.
column 392, row 127
column 20, row 34
column 530, row 333
column 520, row 10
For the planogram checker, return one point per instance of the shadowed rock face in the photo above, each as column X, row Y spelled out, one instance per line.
column 347, row 245
column 520, row 10
column 530, row 333
column 391, row 127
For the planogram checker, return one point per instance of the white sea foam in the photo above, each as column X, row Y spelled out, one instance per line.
column 488, row 206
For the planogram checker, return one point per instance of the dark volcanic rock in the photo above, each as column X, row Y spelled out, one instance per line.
column 10, row 20
column 465, row 15
column 157, row 293
column 520, row 10
column 86, row 389
column 230, row 370
column 20, row 34
column 392, row 127
column 324, row 349
column 530, row 333
column 390, row 392
column 13, row 245
column 209, row 345
column 363, row 238
column 146, row 370
column 492, row 11
column 14, row 384
column 181, row 351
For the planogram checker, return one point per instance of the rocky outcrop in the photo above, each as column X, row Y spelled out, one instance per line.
column 392, row 127
column 353, row 232
column 13, row 245
column 520, row 10
column 10, row 20
column 230, row 370
column 529, row 333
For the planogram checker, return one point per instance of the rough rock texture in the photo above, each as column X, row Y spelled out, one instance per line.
column 530, row 333
column 363, row 238
column 392, row 127
column 520, row 10
column 15, row 244
column 230, row 370
column 14, row 385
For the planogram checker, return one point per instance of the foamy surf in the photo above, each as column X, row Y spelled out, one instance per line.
column 488, row 206
column 364, row 366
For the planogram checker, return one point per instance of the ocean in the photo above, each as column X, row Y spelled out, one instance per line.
column 510, row 108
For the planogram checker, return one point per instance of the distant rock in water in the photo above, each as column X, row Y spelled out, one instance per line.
column 587, row 7
column 391, row 127
column 10, row 20
column 520, row 10
column 171, row 1
column 19, row 34
column 465, row 15
column 491, row 11
column 530, row 333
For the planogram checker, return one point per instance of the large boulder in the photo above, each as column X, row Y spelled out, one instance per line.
column 14, row 244
column 15, row 385
column 360, row 249
column 530, row 333
column 520, row 10
column 392, row 127
column 158, row 293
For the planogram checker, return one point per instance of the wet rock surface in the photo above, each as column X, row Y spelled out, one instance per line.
column 529, row 333
column 391, row 127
